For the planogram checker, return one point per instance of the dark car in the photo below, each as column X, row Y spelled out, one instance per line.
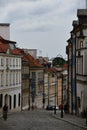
column 51, row 108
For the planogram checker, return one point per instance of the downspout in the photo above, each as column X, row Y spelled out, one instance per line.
column 43, row 91
column 21, row 86
column 68, row 82
column 29, row 88
column 71, row 79
column 75, row 80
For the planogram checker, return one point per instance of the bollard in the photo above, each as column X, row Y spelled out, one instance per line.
column 86, row 116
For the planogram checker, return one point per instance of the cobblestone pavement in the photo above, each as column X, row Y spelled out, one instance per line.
column 35, row 120
column 72, row 119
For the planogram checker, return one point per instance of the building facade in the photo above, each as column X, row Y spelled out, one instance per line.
column 25, row 96
column 77, row 71
column 10, row 75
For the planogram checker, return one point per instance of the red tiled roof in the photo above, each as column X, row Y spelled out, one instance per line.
column 17, row 51
column 4, row 45
column 51, row 70
column 65, row 66
column 6, row 41
column 42, row 61
column 33, row 62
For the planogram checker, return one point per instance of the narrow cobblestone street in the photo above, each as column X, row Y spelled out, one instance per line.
column 35, row 120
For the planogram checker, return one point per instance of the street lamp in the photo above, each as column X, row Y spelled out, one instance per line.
column 29, row 89
column 48, row 89
column 60, row 56
column 62, row 96
column 43, row 92
column 55, row 94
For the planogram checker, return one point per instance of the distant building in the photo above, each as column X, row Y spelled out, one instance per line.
column 50, row 87
column 5, row 30
column 32, row 81
column 32, row 52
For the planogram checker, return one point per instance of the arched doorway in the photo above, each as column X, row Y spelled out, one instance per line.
column 14, row 101
column 10, row 101
column 1, row 100
column 19, row 99
column 6, row 99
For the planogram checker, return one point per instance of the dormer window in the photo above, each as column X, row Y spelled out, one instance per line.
column 12, row 46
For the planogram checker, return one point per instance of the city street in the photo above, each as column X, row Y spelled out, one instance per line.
column 35, row 120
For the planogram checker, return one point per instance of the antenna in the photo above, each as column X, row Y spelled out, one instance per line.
column 40, row 52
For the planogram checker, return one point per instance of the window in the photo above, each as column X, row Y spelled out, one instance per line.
column 6, row 61
column 2, row 62
column 1, row 79
column 16, row 62
column 7, row 79
column 10, row 78
column 10, row 63
column 81, row 44
column 19, row 76
column 40, row 78
column 14, row 78
column 79, row 66
column 13, row 62
column 79, row 54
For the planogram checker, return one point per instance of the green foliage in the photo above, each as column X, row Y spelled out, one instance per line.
column 58, row 61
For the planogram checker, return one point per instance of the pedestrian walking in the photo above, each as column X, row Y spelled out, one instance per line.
column 66, row 108
column 5, row 110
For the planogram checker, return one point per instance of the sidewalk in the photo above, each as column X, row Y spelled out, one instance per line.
column 72, row 119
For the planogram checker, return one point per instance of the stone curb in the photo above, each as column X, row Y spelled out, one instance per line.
column 71, row 122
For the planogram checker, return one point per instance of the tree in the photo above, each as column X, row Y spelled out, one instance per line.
column 59, row 61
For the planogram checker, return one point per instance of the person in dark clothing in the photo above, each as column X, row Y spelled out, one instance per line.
column 5, row 110
column 66, row 108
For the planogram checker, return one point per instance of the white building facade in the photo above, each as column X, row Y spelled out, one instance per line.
column 10, row 85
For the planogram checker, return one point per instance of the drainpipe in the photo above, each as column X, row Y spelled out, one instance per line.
column 29, row 88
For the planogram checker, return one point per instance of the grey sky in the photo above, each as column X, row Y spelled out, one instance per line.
column 40, row 24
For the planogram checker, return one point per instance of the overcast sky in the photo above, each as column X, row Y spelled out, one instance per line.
column 44, row 25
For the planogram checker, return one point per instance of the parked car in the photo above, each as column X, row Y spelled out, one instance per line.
column 52, row 108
